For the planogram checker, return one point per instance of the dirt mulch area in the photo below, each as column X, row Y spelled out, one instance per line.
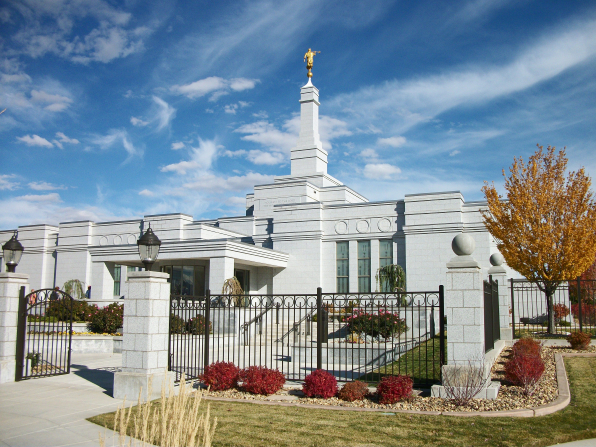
column 510, row 397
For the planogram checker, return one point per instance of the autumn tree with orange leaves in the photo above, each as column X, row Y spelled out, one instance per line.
column 546, row 229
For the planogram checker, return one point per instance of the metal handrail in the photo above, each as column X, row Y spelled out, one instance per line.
column 268, row 307
column 296, row 325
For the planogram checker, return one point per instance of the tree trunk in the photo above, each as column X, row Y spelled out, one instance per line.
column 551, row 313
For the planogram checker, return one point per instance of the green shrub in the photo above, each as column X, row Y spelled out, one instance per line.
column 62, row 308
column 384, row 323
column 34, row 358
column 177, row 325
column 196, row 325
column 108, row 319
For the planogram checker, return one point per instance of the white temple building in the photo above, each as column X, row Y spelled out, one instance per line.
column 300, row 232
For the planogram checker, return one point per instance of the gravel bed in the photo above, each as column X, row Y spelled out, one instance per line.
column 510, row 397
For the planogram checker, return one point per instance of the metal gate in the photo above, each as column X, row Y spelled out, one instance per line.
column 44, row 334
column 492, row 330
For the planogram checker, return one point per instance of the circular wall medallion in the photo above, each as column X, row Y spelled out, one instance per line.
column 117, row 240
column 132, row 239
column 103, row 240
column 341, row 227
column 362, row 226
column 384, row 225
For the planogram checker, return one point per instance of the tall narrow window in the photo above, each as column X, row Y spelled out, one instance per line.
column 117, row 278
column 364, row 266
column 343, row 266
column 385, row 258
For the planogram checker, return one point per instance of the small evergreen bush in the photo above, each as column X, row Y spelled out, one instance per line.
column 579, row 340
column 392, row 389
column 352, row 391
column 196, row 325
column 177, row 325
column 320, row 383
column 261, row 380
column 108, row 319
column 220, row 376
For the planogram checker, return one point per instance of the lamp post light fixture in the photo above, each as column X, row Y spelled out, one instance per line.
column 148, row 248
column 12, row 250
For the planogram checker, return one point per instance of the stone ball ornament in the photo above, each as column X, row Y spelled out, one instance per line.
column 463, row 244
column 496, row 259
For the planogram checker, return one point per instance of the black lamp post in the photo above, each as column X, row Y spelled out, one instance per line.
column 13, row 250
column 148, row 248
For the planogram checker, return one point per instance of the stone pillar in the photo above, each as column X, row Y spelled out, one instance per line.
column 499, row 274
column 146, row 337
column 464, row 310
column 220, row 269
column 10, row 286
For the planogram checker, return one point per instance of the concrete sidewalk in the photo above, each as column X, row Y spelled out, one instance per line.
column 51, row 411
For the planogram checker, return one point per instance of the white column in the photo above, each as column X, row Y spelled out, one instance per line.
column 220, row 269
column 10, row 285
column 499, row 274
column 146, row 336
column 374, row 263
column 353, row 266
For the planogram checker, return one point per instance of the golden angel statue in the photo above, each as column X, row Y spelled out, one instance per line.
column 308, row 58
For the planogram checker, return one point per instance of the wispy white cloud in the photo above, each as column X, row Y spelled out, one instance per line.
column 45, row 186
column 51, row 197
column 35, row 140
column 146, row 193
column 398, row 105
column 392, row 141
column 211, row 182
column 213, row 85
column 266, row 158
column 177, row 145
column 117, row 137
column 54, row 28
column 380, row 171
column 165, row 113
column 201, row 159
column 138, row 122
column 7, row 183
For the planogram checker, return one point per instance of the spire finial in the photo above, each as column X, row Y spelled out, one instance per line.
column 308, row 58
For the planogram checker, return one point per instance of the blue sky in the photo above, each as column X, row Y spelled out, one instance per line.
column 120, row 109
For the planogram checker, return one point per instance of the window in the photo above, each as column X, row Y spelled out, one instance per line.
column 385, row 258
column 364, row 266
column 117, row 278
column 342, row 257
column 186, row 279
column 243, row 277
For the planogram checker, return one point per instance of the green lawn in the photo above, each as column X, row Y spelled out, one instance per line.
column 246, row 424
column 422, row 364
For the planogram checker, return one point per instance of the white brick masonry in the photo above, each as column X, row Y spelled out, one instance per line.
column 145, row 338
column 499, row 274
column 10, row 285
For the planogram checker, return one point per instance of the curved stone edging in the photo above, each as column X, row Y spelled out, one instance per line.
column 558, row 404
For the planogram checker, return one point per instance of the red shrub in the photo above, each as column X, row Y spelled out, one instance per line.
column 394, row 388
column 261, row 380
column 527, row 346
column 352, row 391
column 561, row 311
column 579, row 340
column 320, row 383
column 220, row 376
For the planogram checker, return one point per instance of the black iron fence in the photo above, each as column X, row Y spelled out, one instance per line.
column 574, row 308
column 492, row 329
column 353, row 336
column 44, row 334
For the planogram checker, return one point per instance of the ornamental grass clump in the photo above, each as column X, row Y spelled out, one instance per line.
column 579, row 340
column 261, row 380
column 220, row 376
column 525, row 367
column 174, row 421
column 352, row 391
column 392, row 389
column 320, row 383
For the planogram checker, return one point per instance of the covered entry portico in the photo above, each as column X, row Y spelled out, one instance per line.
column 194, row 265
